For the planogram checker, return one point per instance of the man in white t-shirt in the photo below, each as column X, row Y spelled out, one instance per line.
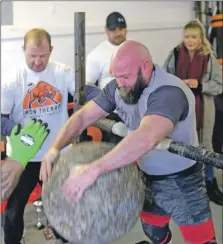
column 98, row 60
column 37, row 89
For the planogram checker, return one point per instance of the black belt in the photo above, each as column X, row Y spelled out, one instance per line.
column 184, row 173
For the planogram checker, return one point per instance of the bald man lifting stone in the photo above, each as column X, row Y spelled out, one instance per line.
column 154, row 105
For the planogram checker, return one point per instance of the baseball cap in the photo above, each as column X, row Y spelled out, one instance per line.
column 114, row 20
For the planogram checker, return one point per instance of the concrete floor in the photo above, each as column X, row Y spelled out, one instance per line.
column 35, row 236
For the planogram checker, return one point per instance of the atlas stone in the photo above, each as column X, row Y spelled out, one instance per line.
column 108, row 209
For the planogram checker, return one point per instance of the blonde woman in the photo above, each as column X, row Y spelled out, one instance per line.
column 194, row 62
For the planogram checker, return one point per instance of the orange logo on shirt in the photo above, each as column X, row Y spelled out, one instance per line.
column 42, row 98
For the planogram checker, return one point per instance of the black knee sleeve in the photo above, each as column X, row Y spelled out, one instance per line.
column 157, row 234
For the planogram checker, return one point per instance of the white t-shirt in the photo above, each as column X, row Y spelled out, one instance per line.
column 98, row 64
column 26, row 94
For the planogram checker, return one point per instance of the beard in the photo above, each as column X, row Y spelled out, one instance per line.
column 132, row 95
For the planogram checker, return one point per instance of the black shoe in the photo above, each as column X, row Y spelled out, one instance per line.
column 214, row 194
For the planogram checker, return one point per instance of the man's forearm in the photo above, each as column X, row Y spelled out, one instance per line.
column 71, row 130
column 130, row 149
column 153, row 129
column 78, row 122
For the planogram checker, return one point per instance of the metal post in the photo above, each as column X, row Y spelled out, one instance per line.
column 79, row 61
column 198, row 10
column 208, row 13
column 79, row 97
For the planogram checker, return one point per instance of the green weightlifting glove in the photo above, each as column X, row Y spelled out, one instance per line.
column 26, row 143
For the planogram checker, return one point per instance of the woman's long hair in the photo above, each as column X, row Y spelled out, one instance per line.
column 205, row 48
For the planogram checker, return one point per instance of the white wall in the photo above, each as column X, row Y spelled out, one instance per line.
column 156, row 24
